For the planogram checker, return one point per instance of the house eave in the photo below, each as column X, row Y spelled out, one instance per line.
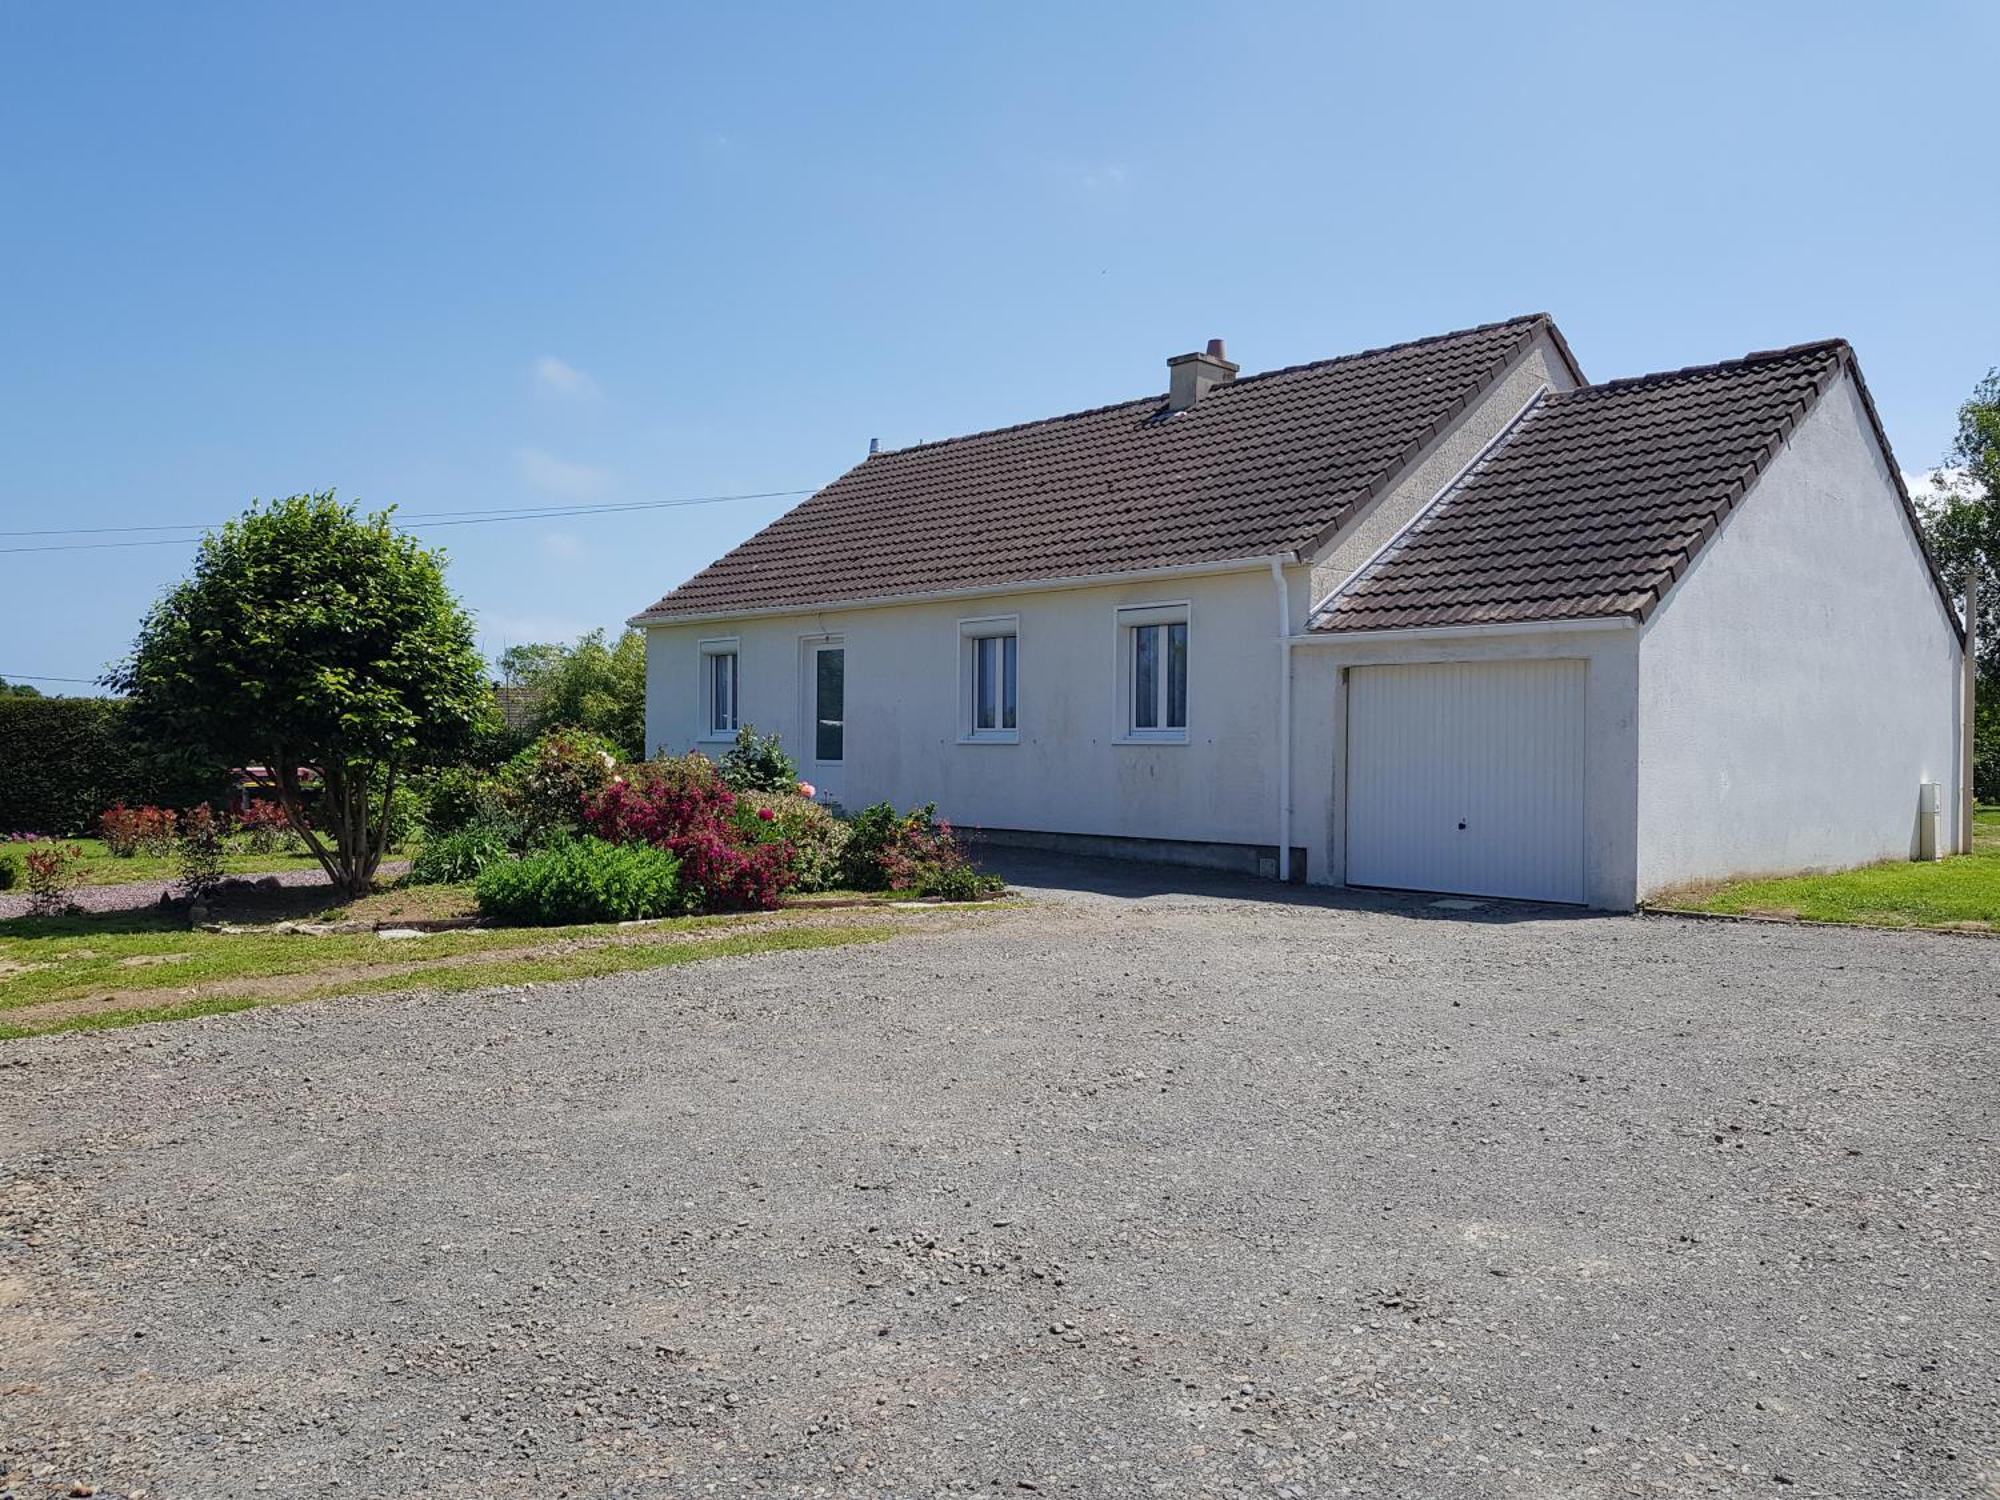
column 1461, row 632
column 1261, row 563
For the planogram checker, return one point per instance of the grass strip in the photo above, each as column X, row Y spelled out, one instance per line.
column 1962, row 891
column 542, row 968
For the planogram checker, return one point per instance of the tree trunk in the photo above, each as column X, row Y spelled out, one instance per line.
column 347, row 807
column 287, row 772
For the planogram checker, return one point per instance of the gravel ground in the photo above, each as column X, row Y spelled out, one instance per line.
column 1134, row 1192
column 102, row 898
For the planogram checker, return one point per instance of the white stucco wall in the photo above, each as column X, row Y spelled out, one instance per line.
column 1067, row 773
column 1539, row 366
column 1610, row 741
column 1801, row 680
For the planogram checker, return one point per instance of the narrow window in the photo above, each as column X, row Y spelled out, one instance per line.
column 1146, row 677
column 986, row 676
column 1155, row 671
column 1009, row 678
column 830, row 702
column 722, row 692
column 990, row 690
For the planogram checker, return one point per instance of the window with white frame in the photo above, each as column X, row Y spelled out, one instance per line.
column 990, row 675
column 719, row 689
column 1153, row 671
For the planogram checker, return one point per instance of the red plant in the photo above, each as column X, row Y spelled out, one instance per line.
column 118, row 826
column 53, row 872
column 260, row 813
column 684, row 807
column 127, row 830
column 922, row 849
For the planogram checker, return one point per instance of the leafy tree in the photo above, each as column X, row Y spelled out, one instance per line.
column 308, row 636
column 592, row 685
column 1962, row 525
column 18, row 690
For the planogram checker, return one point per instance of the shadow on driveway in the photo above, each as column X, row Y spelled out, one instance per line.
column 1071, row 877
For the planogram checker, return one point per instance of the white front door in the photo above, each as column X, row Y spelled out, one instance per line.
column 826, row 717
column 1467, row 777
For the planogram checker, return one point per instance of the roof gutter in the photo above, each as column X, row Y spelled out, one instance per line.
column 979, row 591
column 1465, row 632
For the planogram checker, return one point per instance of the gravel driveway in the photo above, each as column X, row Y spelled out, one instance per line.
column 1122, row 1194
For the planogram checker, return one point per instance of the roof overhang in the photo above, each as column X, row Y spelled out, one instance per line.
column 1259, row 564
column 1464, row 632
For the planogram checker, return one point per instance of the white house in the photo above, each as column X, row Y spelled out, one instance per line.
column 1442, row 616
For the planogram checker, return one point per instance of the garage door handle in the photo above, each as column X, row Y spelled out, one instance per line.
column 1461, row 825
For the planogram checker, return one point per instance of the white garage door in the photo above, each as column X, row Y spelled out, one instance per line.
column 1468, row 778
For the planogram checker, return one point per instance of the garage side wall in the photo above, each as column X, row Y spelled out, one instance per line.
column 1800, row 682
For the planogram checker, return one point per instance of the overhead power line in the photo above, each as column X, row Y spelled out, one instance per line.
column 415, row 521
column 32, row 677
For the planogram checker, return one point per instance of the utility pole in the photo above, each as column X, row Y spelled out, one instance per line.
column 1971, row 689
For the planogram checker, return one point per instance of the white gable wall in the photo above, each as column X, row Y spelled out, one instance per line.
column 1801, row 680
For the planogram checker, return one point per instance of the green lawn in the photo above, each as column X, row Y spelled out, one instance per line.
column 101, row 867
column 85, row 972
column 1963, row 891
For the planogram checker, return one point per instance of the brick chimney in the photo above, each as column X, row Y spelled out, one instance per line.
column 1191, row 375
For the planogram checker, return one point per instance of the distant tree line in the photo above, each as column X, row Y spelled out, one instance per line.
column 1962, row 525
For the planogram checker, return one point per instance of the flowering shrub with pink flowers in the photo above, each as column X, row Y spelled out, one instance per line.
column 682, row 805
column 548, row 784
column 817, row 839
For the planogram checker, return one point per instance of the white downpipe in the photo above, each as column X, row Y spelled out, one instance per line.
column 1284, row 721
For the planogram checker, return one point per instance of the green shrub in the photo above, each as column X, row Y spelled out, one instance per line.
column 758, row 763
column 458, row 796
column 817, row 838
column 582, row 880
column 461, row 855
column 406, row 816
column 10, row 869
column 957, row 880
column 871, row 833
column 547, row 784
column 912, row 851
column 67, row 759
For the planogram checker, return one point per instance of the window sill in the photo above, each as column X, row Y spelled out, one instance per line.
column 1152, row 737
column 715, row 739
column 991, row 737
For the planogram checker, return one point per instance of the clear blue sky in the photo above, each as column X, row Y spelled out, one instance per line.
column 466, row 255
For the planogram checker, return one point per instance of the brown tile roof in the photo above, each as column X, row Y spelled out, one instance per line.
column 1268, row 464
column 1598, row 500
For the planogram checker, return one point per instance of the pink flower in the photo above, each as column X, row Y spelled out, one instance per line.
column 767, row 815
column 806, row 789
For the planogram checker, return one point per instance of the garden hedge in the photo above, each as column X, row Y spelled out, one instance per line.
column 64, row 760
